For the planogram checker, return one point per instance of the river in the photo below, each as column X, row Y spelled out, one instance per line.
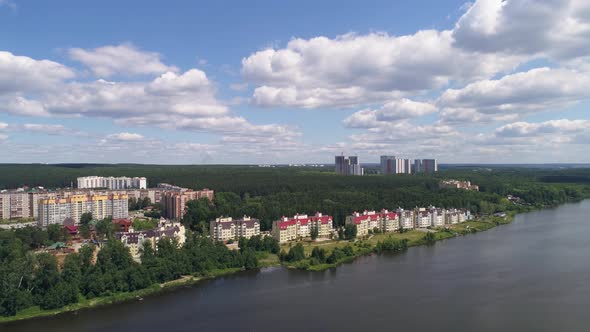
column 531, row 275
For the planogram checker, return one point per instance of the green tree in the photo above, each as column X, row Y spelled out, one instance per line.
column 296, row 253
column 198, row 214
column 350, row 231
column 105, row 228
column 85, row 218
column 57, row 233
column 314, row 231
column 250, row 260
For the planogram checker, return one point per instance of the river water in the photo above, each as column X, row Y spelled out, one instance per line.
column 531, row 275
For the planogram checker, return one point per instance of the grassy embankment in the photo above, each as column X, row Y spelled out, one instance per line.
column 414, row 238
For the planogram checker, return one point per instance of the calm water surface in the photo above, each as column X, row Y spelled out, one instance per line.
column 531, row 275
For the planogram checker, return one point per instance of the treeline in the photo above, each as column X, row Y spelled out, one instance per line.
column 296, row 255
column 34, row 279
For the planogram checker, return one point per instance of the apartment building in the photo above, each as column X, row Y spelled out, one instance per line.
column 224, row 229
column 348, row 166
column 301, row 225
column 110, row 182
column 423, row 218
column 384, row 221
column 135, row 240
column 14, row 205
column 389, row 221
column 361, row 220
column 57, row 210
column 437, row 216
column 406, row 218
column 174, row 202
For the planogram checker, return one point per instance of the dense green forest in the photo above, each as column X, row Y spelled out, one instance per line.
column 28, row 279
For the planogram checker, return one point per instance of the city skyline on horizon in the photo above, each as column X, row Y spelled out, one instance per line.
column 483, row 82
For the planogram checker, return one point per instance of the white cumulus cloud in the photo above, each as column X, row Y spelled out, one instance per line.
column 123, row 59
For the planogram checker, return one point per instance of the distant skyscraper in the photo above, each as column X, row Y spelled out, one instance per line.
column 341, row 165
column 428, row 166
column 387, row 164
column 348, row 166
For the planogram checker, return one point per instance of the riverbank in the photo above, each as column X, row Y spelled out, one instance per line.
column 361, row 247
column 84, row 304
column 412, row 238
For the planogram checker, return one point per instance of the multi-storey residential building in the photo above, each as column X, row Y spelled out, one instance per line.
column 406, row 218
column 389, row 221
column 387, row 165
column 57, row 210
column 423, row 218
column 451, row 216
column 174, row 202
column 285, row 230
column 348, row 166
column 437, row 216
column 15, row 205
column 224, row 229
column 111, row 182
column 428, row 166
column 301, row 225
column 135, row 240
column 4, row 205
column 362, row 221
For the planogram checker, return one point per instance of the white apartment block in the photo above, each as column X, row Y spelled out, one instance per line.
column 89, row 182
column 406, row 218
column 224, row 229
column 437, row 216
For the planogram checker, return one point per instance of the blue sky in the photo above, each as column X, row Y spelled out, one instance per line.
column 293, row 82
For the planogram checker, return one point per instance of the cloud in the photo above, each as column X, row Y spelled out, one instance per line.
column 172, row 100
column 515, row 95
column 558, row 29
column 3, row 125
column 123, row 59
column 8, row 3
column 395, row 110
column 21, row 73
column 126, row 137
column 352, row 69
column 547, row 129
column 48, row 129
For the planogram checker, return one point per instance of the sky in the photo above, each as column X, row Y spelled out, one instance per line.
column 268, row 82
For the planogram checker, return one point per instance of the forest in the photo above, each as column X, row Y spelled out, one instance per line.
column 269, row 193
column 30, row 278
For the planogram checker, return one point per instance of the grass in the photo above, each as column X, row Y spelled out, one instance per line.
column 414, row 237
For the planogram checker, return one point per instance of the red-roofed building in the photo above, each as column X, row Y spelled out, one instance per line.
column 384, row 221
column 123, row 225
column 72, row 230
column 300, row 226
